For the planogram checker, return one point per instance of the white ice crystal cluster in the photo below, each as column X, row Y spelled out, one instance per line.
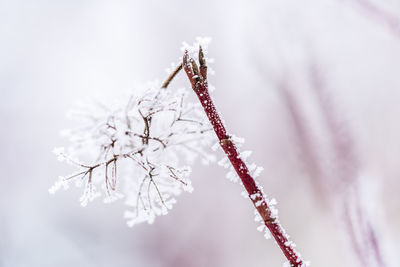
column 138, row 149
column 257, row 218
column 254, row 171
column 244, row 155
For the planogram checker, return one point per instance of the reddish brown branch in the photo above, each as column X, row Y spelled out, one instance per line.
column 198, row 80
column 172, row 76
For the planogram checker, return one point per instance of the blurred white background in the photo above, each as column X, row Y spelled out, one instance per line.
column 53, row 53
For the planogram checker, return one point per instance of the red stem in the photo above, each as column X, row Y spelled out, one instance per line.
column 198, row 79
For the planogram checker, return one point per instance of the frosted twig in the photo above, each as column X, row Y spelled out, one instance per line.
column 198, row 80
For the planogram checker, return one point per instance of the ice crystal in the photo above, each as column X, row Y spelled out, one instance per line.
column 138, row 149
column 254, row 171
column 287, row 264
column 261, row 227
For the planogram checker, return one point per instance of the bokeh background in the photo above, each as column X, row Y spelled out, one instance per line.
column 53, row 53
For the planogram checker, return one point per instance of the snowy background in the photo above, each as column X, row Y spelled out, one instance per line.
column 53, row 53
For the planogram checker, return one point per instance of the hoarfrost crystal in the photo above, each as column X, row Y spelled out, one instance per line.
column 134, row 149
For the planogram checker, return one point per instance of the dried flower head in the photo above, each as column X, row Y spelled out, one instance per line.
column 138, row 150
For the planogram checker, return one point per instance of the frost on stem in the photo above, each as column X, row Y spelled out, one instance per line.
column 244, row 155
column 288, row 264
column 138, row 150
column 135, row 147
column 245, row 172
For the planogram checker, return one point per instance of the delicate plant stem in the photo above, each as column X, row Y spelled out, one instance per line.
column 171, row 76
column 198, row 80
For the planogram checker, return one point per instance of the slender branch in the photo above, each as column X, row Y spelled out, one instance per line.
column 172, row 76
column 198, row 80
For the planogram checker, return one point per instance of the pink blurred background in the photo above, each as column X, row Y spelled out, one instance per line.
column 267, row 53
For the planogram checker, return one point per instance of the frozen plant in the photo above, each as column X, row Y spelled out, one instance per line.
column 136, row 151
column 138, row 147
column 197, row 76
